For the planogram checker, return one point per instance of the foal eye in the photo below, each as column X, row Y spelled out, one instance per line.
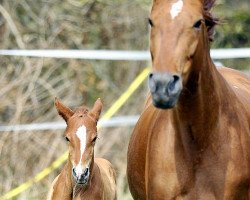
column 150, row 22
column 94, row 140
column 197, row 24
column 66, row 138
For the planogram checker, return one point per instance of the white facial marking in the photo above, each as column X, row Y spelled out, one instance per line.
column 176, row 9
column 82, row 135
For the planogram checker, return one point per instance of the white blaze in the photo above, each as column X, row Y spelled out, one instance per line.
column 176, row 8
column 82, row 135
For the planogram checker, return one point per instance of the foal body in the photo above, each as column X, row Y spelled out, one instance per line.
column 83, row 176
column 197, row 146
column 101, row 186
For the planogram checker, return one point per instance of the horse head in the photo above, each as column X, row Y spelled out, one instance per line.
column 177, row 29
column 81, row 135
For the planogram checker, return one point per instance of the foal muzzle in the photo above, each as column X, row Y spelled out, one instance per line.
column 81, row 176
column 165, row 89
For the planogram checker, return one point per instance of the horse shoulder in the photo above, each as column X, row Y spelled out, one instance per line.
column 108, row 177
column 240, row 84
column 137, row 150
column 237, row 80
column 148, row 101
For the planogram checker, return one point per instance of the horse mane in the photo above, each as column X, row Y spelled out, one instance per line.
column 210, row 20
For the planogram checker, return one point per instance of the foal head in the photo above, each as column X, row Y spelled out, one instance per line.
column 177, row 27
column 81, row 135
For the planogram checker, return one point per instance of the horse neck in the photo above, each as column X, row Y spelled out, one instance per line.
column 199, row 104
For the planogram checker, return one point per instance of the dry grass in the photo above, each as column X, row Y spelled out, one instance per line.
column 29, row 85
column 28, row 98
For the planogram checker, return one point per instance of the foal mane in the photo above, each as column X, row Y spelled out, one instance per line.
column 210, row 20
column 82, row 110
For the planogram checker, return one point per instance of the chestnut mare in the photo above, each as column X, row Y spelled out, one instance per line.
column 192, row 140
column 83, row 176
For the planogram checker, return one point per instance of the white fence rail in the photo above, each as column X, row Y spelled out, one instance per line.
column 113, row 122
column 101, row 55
column 116, row 55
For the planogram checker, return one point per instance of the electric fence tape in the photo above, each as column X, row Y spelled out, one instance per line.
column 57, row 163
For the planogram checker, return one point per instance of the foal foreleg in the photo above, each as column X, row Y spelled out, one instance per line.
column 59, row 189
column 51, row 190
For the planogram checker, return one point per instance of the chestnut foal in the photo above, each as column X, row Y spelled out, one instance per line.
column 83, row 176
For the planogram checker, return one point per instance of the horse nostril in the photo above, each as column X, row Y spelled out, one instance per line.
column 173, row 84
column 176, row 78
column 151, row 75
column 152, row 83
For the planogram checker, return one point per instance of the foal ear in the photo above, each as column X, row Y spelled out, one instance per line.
column 96, row 110
column 63, row 110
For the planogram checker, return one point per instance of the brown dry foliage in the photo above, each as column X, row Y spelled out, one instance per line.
column 28, row 85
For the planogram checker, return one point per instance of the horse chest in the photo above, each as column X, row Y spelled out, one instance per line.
column 163, row 165
column 168, row 169
column 176, row 177
column 176, row 171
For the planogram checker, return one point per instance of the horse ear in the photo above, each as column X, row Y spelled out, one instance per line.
column 96, row 110
column 63, row 110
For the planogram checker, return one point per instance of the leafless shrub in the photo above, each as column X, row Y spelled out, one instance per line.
column 28, row 85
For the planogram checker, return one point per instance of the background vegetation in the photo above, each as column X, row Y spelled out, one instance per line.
column 28, row 85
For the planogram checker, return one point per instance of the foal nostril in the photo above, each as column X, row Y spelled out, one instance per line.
column 86, row 172
column 74, row 172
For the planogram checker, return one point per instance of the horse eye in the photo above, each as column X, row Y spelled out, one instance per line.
column 66, row 138
column 150, row 22
column 197, row 24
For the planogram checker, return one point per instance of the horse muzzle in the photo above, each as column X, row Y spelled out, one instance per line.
column 165, row 89
column 81, row 177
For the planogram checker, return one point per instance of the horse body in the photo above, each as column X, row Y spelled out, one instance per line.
column 83, row 176
column 108, row 175
column 175, row 154
column 199, row 147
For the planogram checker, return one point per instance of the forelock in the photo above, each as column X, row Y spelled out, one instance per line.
column 210, row 20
